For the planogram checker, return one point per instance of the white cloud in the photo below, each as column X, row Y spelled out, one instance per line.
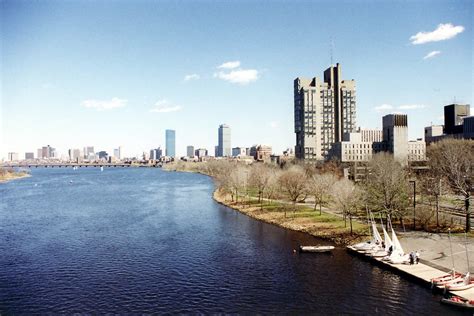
column 240, row 76
column 192, row 77
column 442, row 32
column 432, row 54
column 229, row 65
column 411, row 106
column 164, row 106
column 102, row 105
column 383, row 108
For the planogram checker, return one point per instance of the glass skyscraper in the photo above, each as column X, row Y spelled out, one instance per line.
column 224, row 148
column 170, row 143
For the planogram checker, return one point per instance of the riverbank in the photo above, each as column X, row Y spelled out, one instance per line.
column 304, row 219
column 9, row 176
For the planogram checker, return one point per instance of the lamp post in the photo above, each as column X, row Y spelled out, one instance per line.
column 414, row 203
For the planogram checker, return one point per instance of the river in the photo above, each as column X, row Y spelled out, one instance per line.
column 143, row 240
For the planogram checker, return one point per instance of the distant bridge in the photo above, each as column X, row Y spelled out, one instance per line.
column 77, row 165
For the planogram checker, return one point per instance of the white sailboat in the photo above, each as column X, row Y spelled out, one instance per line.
column 467, row 282
column 398, row 254
column 101, row 168
column 383, row 251
column 453, row 277
column 372, row 244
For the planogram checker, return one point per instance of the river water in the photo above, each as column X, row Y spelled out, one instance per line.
column 139, row 240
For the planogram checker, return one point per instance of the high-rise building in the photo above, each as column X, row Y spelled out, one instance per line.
column 239, row 151
column 39, row 153
column 324, row 111
column 201, row 152
column 48, row 152
column 453, row 118
column 170, row 143
column 75, row 155
column 395, row 135
column 89, row 153
column 118, row 153
column 29, row 156
column 13, row 157
column 190, row 151
column 224, row 144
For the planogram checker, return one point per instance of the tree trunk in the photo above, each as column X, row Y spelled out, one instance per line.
column 350, row 220
column 320, row 209
column 437, row 213
column 468, row 214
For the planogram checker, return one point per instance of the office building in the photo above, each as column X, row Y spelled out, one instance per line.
column 261, row 152
column 103, row 155
column 29, row 156
column 170, row 143
column 118, row 153
column 89, row 153
column 190, row 151
column 468, row 127
column 75, row 155
column 395, row 135
column 324, row 112
column 13, row 156
column 393, row 138
column 239, row 151
column 453, row 118
column 48, row 152
column 224, row 148
column 201, row 152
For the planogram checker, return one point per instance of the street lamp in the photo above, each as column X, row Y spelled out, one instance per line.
column 414, row 203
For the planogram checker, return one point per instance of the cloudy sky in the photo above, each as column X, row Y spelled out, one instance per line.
column 110, row 73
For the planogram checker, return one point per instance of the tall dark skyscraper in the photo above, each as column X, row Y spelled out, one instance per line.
column 170, row 143
column 224, row 148
column 324, row 111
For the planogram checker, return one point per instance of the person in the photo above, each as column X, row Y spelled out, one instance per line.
column 412, row 258
column 417, row 257
column 390, row 250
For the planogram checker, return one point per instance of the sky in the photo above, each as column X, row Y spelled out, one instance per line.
column 119, row 73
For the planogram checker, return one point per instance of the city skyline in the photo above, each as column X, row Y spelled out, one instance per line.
column 77, row 80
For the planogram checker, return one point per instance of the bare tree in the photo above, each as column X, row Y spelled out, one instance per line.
column 273, row 186
column 259, row 178
column 319, row 186
column 454, row 160
column 434, row 185
column 347, row 197
column 237, row 180
column 386, row 185
column 293, row 182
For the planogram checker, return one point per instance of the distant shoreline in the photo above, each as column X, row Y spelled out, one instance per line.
column 9, row 176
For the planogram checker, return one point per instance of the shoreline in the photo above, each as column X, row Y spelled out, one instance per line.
column 14, row 176
column 286, row 222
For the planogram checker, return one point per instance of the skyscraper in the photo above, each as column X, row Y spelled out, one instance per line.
column 224, row 146
column 324, row 111
column 170, row 143
column 190, row 151
column 395, row 135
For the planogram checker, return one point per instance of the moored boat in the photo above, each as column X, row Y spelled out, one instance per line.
column 447, row 278
column 459, row 302
column 316, row 248
column 464, row 284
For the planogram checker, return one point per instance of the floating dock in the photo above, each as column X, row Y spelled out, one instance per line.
column 420, row 272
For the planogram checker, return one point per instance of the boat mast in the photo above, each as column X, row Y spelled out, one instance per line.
column 451, row 246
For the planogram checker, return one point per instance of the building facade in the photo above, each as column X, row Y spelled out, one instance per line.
column 323, row 111
column 13, row 157
column 239, row 151
column 190, row 151
column 261, row 152
column 29, row 156
column 453, row 118
column 201, row 152
column 395, row 136
column 170, row 143
column 224, row 148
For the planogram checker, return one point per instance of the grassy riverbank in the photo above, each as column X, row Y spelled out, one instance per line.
column 302, row 218
column 8, row 175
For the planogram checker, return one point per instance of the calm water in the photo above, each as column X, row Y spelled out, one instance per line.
column 149, row 241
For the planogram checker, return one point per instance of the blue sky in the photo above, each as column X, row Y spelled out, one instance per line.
column 110, row 73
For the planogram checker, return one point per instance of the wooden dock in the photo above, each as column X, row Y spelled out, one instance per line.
column 421, row 273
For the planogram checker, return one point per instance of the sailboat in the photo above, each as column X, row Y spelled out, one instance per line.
column 383, row 251
column 371, row 244
column 448, row 278
column 397, row 255
column 466, row 283
column 101, row 168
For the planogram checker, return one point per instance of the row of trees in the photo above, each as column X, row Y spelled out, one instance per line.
column 385, row 187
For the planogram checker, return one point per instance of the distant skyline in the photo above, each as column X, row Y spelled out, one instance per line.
column 105, row 74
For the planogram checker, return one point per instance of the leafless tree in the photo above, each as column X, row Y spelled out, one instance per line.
column 259, row 177
column 319, row 186
column 434, row 185
column 273, row 186
column 386, row 185
column 347, row 197
column 293, row 183
column 454, row 160
column 237, row 178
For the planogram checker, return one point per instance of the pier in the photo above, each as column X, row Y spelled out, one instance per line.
column 421, row 273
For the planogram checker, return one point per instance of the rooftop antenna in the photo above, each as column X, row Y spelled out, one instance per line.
column 331, row 49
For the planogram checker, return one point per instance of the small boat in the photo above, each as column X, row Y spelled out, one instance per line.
column 101, row 168
column 447, row 278
column 316, row 248
column 459, row 302
column 461, row 285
